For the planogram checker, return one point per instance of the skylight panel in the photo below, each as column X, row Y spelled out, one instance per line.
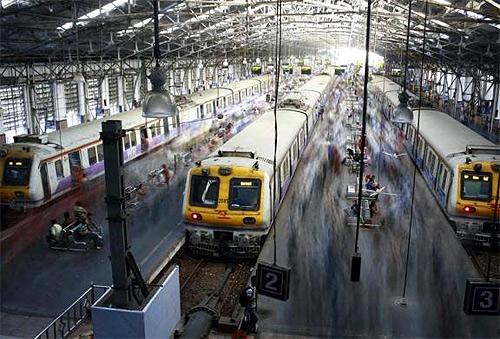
column 84, row 19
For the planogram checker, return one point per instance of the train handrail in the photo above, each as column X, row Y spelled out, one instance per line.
column 69, row 319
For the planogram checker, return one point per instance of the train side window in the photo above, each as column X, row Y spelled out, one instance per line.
column 426, row 152
column 439, row 173
column 153, row 131
column 100, row 152
column 158, row 128
column 91, row 152
column 59, row 169
column 285, row 169
column 420, row 150
column 295, row 151
column 445, row 176
column 133, row 138
column 126, row 142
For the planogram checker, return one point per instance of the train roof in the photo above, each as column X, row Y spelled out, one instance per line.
column 445, row 134
column 82, row 134
column 258, row 137
column 391, row 89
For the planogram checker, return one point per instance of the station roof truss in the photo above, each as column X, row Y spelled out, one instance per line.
column 464, row 34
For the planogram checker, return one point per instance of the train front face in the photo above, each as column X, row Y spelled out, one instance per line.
column 225, row 210
column 476, row 200
column 15, row 174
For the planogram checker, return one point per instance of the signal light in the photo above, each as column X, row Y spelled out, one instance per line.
column 196, row 216
column 469, row 209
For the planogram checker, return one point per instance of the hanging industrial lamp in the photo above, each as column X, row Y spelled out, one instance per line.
column 158, row 102
column 245, row 61
column 225, row 64
column 402, row 113
column 257, row 61
column 200, row 64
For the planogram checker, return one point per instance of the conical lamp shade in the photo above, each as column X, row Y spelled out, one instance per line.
column 402, row 114
column 245, row 61
column 159, row 104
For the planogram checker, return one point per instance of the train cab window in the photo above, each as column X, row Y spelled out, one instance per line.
column 58, row 165
column 244, row 194
column 100, row 152
column 91, row 152
column 17, row 172
column 476, row 186
column 204, row 191
column 133, row 139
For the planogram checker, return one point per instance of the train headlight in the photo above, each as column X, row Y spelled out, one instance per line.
column 469, row 209
column 196, row 216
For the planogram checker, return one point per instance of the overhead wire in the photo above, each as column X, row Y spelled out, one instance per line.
column 277, row 69
column 424, row 38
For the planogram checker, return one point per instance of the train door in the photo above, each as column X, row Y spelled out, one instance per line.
column 202, row 113
column 144, row 138
column 214, row 106
column 45, row 181
column 75, row 163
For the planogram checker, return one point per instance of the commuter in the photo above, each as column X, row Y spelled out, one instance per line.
column 374, row 211
column 167, row 175
column 80, row 213
column 248, row 301
column 55, row 230
column 371, row 184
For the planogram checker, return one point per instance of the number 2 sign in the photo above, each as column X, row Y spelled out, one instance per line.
column 482, row 297
column 273, row 281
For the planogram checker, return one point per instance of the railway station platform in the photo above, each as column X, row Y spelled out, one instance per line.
column 314, row 241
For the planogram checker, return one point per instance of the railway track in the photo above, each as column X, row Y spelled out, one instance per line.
column 480, row 256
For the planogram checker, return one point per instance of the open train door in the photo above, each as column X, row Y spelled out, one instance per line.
column 45, row 181
column 75, row 164
column 144, row 138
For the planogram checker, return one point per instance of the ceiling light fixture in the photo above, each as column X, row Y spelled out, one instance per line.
column 403, row 114
column 158, row 102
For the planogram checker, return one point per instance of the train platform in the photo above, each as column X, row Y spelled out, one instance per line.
column 314, row 241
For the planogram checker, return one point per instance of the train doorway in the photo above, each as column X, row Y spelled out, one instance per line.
column 144, row 138
column 75, row 163
column 45, row 181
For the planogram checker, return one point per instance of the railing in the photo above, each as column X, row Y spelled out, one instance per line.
column 74, row 315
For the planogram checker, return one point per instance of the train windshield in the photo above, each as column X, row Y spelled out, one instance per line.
column 476, row 186
column 204, row 191
column 244, row 194
column 17, row 172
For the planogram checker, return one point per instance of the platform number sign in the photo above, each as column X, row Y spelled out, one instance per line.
column 273, row 281
column 482, row 297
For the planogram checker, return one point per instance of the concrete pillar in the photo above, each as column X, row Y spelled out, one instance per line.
column 105, row 96
column 494, row 109
column 31, row 121
column 82, row 101
column 137, row 87
column 121, row 94
column 59, row 99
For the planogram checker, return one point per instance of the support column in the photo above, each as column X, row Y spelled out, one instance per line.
column 494, row 107
column 112, row 137
column 82, row 102
column 105, row 97
column 121, row 94
column 59, row 99
column 31, row 121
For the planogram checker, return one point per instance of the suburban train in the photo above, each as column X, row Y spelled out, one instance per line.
column 461, row 168
column 228, row 203
column 37, row 169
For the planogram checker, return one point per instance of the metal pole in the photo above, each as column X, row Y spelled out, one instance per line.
column 494, row 233
column 356, row 258
column 496, row 90
column 112, row 137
